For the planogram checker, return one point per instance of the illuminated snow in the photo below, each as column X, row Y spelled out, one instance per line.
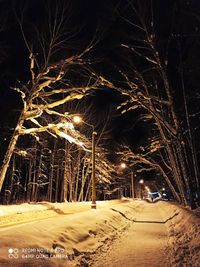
column 65, row 234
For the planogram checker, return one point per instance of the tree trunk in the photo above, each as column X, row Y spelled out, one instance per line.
column 77, row 177
column 50, row 188
column 83, row 180
column 88, row 194
column 65, row 176
column 57, row 183
column 28, row 195
column 10, row 150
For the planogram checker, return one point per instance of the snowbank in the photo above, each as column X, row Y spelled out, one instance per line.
column 15, row 214
column 184, row 236
column 63, row 234
column 64, row 240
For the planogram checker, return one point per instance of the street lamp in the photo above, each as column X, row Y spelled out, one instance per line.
column 147, row 188
column 123, row 166
column 77, row 119
column 141, row 182
column 132, row 185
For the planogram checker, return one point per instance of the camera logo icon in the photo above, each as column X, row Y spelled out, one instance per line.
column 13, row 253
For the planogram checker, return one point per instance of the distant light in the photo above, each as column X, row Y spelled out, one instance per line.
column 141, row 181
column 77, row 119
column 123, row 165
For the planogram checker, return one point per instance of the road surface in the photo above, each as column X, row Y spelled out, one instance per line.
column 143, row 244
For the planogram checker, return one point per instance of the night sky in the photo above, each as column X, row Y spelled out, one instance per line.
column 176, row 24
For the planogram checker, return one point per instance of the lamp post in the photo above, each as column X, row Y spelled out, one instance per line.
column 132, row 185
column 141, row 188
column 123, row 166
column 93, row 170
column 78, row 119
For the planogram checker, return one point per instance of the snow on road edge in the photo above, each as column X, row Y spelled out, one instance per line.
column 79, row 234
column 184, row 235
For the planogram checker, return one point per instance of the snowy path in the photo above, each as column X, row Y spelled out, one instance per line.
column 119, row 233
column 143, row 244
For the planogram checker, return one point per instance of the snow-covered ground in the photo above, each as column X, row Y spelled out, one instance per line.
column 184, row 236
column 64, row 234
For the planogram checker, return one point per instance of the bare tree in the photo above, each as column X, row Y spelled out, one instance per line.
column 51, row 84
column 145, row 85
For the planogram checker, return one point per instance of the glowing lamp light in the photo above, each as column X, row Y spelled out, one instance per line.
column 141, row 181
column 77, row 119
column 123, row 165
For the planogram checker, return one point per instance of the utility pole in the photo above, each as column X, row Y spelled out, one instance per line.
column 141, row 182
column 132, row 185
column 93, row 171
column 77, row 120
